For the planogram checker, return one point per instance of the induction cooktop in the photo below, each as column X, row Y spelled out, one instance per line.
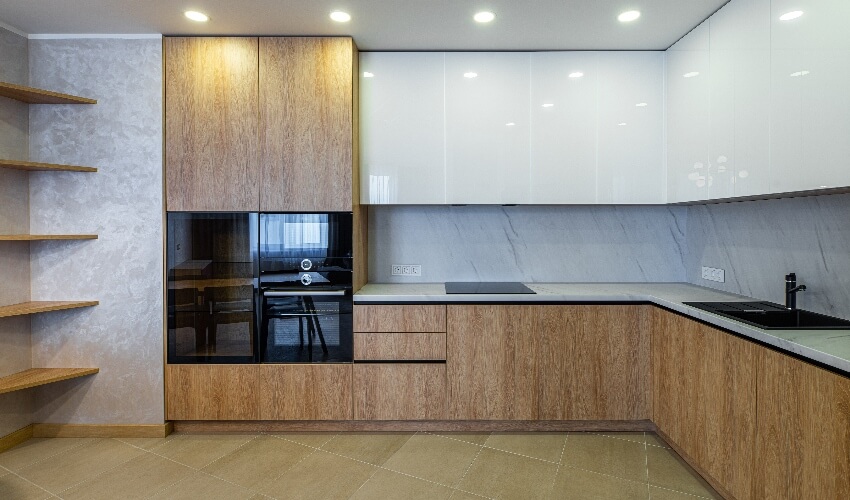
column 485, row 287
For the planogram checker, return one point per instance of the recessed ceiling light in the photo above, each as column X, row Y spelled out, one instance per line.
column 576, row 74
column 196, row 16
column 622, row 124
column 484, row 17
column 340, row 16
column 367, row 74
column 641, row 104
column 548, row 105
column 800, row 73
column 628, row 16
column 470, row 74
column 511, row 124
column 791, row 15
column 691, row 74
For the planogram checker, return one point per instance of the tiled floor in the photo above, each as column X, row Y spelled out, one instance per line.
column 351, row 465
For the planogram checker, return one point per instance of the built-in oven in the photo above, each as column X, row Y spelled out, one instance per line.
column 304, row 292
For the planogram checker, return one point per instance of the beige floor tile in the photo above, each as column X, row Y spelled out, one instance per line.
column 533, row 444
column 79, row 464
column 664, row 494
column 465, row 495
column 259, row 462
column 13, row 487
column 667, row 471
column 637, row 437
column 200, row 485
column 654, row 440
column 498, row 474
column 470, row 437
column 433, row 458
column 312, row 439
column 321, row 475
column 388, row 485
column 374, row 448
column 138, row 478
column 147, row 443
column 198, row 451
column 615, row 457
column 36, row 449
column 576, row 483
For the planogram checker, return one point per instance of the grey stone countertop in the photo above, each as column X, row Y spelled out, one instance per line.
column 830, row 347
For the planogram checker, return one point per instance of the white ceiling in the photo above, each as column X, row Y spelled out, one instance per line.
column 382, row 24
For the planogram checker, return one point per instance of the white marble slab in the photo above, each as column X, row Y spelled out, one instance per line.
column 830, row 347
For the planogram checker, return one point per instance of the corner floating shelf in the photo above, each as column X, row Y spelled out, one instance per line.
column 44, row 237
column 33, row 95
column 40, row 376
column 44, row 167
column 36, row 307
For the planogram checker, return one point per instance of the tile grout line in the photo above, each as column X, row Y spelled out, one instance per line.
column 107, row 470
column 55, row 454
column 560, row 460
column 219, row 458
column 13, row 473
column 364, row 482
column 646, row 467
column 678, row 491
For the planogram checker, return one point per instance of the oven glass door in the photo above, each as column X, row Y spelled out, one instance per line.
column 306, row 326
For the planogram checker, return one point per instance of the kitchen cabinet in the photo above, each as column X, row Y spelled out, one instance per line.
column 212, row 392
column 306, row 123
column 305, row 391
column 400, row 318
column 211, row 132
column 400, row 391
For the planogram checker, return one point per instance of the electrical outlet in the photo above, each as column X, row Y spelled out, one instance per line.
column 406, row 270
column 396, row 269
column 714, row 274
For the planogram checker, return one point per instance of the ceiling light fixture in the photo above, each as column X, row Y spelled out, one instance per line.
column 691, row 74
column 628, row 16
column 470, row 74
column 511, row 124
column 548, row 105
column 622, row 124
column 367, row 74
column 340, row 16
column 576, row 74
column 641, row 104
column 196, row 16
column 791, row 15
column 800, row 73
column 484, row 17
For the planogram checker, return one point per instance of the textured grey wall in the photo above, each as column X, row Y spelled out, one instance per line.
column 528, row 243
column 758, row 242
column 122, row 136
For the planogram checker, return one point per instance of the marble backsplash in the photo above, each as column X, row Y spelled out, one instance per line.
column 528, row 243
column 758, row 242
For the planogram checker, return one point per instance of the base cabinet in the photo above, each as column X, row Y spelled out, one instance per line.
column 212, row 392
column 400, row 391
column 305, row 392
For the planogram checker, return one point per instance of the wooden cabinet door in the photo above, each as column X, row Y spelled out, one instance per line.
column 211, row 106
column 211, row 392
column 400, row 391
column 306, row 120
column 491, row 362
column 704, row 397
column 594, row 363
column 803, row 443
column 305, row 392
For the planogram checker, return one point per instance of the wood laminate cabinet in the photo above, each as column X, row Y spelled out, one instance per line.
column 305, row 392
column 211, row 139
column 306, row 120
column 212, row 392
column 400, row 391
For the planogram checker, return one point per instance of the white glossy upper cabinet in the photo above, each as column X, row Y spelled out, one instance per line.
column 811, row 104
column 487, row 127
column 563, row 127
column 402, row 128
column 688, row 117
column 630, row 158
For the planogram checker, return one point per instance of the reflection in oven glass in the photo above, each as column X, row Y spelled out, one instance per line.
column 305, row 329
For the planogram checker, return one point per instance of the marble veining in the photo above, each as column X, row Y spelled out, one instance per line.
column 123, row 204
column 528, row 243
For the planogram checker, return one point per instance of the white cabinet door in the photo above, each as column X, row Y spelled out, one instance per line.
column 563, row 127
column 688, row 117
column 402, row 128
column 487, row 129
column 630, row 167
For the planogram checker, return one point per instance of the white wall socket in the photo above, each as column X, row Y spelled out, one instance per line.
column 713, row 274
column 406, row 270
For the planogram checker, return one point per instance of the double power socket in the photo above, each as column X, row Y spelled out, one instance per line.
column 713, row 274
column 406, row 270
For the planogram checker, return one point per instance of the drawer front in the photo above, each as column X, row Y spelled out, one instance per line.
column 212, row 392
column 318, row 391
column 400, row 391
column 399, row 346
column 400, row 318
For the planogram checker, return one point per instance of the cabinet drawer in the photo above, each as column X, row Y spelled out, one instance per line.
column 400, row 391
column 406, row 318
column 395, row 346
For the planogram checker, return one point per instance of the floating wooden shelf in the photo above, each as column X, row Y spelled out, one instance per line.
column 40, row 237
column 35, row 307
column 40, row 376
column 38, row 96
column 44, row 167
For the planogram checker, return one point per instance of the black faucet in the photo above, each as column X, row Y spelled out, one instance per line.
column 791, row 290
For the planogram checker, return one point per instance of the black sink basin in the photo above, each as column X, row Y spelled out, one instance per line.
column 768, row 316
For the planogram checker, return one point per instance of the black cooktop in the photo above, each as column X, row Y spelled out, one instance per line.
column 479, row 287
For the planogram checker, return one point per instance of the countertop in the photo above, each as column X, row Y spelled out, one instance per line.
column 830, row 347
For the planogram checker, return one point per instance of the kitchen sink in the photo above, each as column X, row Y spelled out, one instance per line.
column 770, row 316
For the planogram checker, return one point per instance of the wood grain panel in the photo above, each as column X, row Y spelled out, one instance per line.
column 594, row 363
column 44, row 167
column 41, row 306
column 803, row 440
column 397, row 391
column 705, row 397
column 492, row 358
column 212, row 392
column 305, row 392
column 306, row 121
column 400, row 318
column 400, row 346
column 211, row 108
column 35, row 377
column 33, row 95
